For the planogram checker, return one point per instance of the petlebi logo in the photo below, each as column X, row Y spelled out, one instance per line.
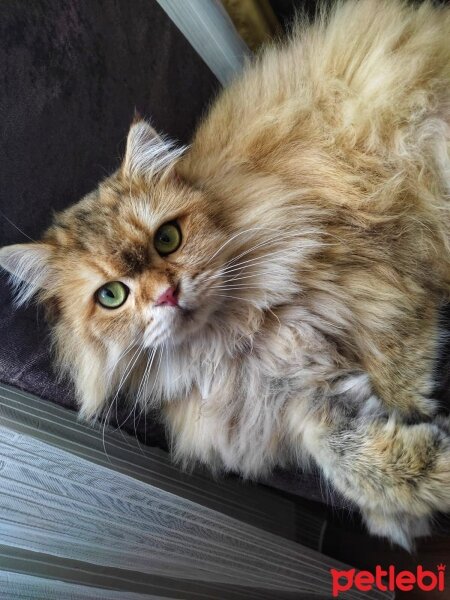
column 387, row 580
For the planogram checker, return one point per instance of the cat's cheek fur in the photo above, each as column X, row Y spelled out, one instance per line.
column 85, row 362
column 92, row 388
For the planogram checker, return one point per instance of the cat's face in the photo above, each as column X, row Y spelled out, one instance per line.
column 134, row 263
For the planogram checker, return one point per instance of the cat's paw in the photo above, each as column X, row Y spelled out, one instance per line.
column 415, row 470
column 420, row 488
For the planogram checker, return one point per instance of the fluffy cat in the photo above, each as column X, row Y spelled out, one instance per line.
column 274, row 289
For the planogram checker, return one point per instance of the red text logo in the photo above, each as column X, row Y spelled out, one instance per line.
column 387, row 580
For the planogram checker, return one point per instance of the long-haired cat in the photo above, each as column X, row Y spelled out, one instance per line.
column 274, row 289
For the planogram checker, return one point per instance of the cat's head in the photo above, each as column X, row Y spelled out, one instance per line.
column 145, row 261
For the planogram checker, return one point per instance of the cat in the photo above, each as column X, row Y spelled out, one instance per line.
column 274, row 288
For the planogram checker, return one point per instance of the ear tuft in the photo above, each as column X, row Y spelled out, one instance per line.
column 29, row 268
column 148, row 154
column 136, row 117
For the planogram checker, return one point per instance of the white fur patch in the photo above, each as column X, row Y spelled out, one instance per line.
column 148, row 154
column 28, row 266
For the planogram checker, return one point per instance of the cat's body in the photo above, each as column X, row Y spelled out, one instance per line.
column 300, row 319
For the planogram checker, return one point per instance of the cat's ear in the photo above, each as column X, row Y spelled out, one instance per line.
column 148, row 153
column 29, row 266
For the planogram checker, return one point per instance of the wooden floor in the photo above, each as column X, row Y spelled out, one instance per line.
column 345, row 539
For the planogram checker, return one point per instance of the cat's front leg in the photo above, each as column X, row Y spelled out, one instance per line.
column 397, row 473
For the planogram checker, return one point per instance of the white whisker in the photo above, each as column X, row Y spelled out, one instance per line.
column 275, row 239
column 234, row 297
column 143, row 385
column 235, row 287
column 234, row 237
column 114, row 401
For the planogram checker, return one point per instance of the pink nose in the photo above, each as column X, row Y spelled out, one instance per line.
column 168, row 298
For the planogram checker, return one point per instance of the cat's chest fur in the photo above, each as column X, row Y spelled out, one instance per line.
column 230, row 410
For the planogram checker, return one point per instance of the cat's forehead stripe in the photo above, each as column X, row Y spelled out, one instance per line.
column 135, row 259
column 118, row 247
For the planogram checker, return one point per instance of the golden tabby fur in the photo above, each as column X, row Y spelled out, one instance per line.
column 314, row 210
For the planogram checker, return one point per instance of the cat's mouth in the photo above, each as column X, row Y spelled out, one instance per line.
column 172, row 324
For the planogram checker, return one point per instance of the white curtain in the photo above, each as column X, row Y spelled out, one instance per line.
column 73, row 528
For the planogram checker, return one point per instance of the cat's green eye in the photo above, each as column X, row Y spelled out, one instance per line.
column 112, row 294
column 167, row 239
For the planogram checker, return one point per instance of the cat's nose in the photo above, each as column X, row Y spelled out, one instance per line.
column 168, row 298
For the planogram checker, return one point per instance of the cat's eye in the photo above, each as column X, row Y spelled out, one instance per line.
column 167, row 239
column 112, row 294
